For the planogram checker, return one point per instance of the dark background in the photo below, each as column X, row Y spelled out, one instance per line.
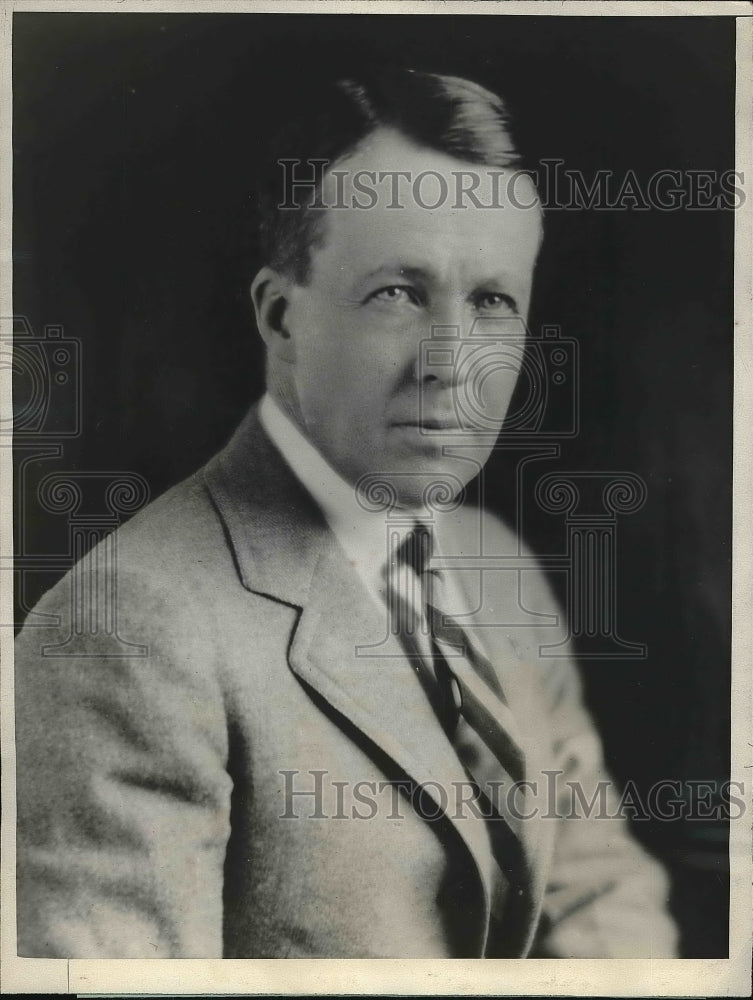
column 135, row 140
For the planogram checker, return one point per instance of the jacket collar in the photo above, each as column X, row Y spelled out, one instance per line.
column 275, row 529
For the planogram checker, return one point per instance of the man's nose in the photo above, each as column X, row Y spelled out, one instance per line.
column 438, row 351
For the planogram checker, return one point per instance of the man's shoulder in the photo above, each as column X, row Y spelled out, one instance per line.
column 172, row 553
column 186, row 523
column 180, row 524
column 176, row 530
column 164, row 590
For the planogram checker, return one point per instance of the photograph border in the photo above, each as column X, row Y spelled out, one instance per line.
column 532, row 977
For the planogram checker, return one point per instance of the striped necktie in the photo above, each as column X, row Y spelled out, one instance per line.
column 469, row 701
column 464, row 681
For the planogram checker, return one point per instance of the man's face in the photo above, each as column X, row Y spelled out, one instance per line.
column 376, row 393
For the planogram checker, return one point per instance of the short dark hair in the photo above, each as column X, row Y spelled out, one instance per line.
column 446, row 113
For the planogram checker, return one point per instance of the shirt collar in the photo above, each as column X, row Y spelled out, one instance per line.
column 368, row 538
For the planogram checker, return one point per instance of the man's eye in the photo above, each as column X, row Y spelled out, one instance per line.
column 395, row 293
column 496, row 302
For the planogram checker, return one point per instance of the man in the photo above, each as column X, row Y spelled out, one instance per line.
column 337, row 740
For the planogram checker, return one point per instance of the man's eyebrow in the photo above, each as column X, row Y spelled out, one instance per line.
column 398, row 267
column 413, row 271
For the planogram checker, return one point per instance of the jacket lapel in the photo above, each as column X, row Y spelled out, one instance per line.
column 341, row 648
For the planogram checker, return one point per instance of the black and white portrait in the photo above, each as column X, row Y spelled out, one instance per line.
column 372, row 468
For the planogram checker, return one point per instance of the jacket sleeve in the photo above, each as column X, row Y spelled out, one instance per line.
column 605, row 896
column 122, row 787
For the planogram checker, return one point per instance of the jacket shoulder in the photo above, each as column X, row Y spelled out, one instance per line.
column 157, row 567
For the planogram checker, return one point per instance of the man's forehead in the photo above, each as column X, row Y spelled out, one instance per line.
column 414, row 241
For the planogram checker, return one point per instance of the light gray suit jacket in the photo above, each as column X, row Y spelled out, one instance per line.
column 157, row 814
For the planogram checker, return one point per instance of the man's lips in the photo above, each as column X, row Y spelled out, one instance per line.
column 429, row 424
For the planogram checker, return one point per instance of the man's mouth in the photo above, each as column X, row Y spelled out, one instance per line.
column 429, row 424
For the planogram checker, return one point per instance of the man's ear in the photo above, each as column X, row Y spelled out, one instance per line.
column 270, row 294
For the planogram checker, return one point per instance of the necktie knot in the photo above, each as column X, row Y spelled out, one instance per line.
column 416, row 549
